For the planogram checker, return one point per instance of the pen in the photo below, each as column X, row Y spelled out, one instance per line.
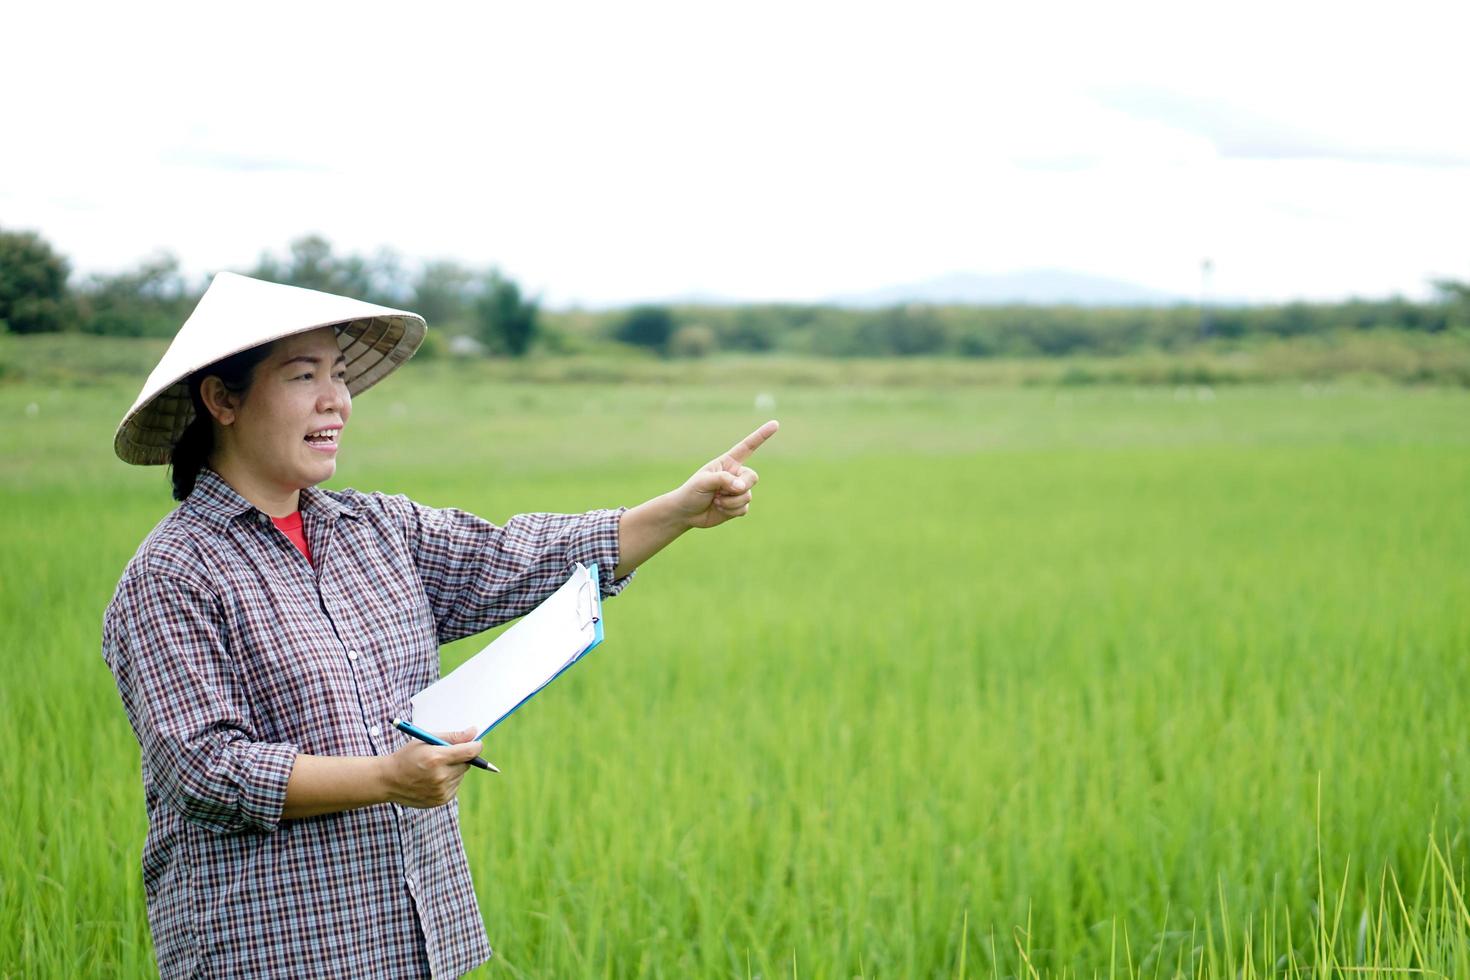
column 408, row 728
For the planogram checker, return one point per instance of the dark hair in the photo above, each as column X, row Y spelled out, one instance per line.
column 197, row 440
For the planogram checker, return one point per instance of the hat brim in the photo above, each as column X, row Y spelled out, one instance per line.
column 374, row 348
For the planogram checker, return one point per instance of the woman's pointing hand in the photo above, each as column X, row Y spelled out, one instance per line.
column 721, row 489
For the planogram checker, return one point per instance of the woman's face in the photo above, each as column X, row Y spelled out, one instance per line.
column 288, row 426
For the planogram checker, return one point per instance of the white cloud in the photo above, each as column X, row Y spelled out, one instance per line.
column 603, row 152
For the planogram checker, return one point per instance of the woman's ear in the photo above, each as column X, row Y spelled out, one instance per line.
column 218, row 400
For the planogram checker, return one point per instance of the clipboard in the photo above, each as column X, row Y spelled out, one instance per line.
column 519, row 663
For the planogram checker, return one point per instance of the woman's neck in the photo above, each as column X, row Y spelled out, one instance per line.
column 275, row 500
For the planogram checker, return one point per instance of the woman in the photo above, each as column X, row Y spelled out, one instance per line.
column 267, row 631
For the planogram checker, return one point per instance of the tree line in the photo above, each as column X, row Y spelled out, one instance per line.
column 153, row 299
column 37, row 295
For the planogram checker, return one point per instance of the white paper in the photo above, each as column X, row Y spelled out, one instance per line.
column 517, row 664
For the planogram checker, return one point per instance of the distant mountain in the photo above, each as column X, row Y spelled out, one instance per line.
column 1041, row 287
column 698, row 297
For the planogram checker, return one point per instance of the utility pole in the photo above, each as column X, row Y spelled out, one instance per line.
column 1206, row 267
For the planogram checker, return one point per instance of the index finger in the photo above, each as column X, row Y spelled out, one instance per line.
column 741, row 451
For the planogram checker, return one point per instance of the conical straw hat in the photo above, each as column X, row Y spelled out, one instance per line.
column 237, row 313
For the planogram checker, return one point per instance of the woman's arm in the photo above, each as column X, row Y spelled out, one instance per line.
column 162, row 636
column 329, row 783
column 192, row 717
column 417, row 775
column 476, row 574
column 647, row 529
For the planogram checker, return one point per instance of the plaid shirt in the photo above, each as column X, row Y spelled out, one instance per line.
column 232, row 654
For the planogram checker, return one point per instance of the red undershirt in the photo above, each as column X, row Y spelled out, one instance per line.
column 291, row 524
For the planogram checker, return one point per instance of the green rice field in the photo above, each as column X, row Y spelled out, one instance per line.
column 993, row 681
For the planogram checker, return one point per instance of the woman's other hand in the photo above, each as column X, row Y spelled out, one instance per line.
column 422, row 775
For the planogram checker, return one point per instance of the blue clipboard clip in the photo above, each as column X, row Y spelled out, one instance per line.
column 588, row 600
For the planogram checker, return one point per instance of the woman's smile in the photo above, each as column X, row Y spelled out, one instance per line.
column 324, row 440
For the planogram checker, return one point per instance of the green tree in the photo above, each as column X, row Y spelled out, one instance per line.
column 903, row 330
column 149, row 301
column 443, row 292
column 33, row 293
column 506, row 320
column 313, row 265
column 1455, row 296
column 693, row 340
column 646, row 326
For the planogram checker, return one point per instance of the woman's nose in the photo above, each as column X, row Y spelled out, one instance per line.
column 334, row 397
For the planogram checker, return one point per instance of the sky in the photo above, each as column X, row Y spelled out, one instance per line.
column 611, row 152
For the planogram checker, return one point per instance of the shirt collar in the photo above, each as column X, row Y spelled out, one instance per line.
column 217, row 501
column 317, row 499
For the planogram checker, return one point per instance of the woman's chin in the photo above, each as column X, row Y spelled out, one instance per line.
column 321, row 467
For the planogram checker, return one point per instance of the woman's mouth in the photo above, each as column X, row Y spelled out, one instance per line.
column 323, row 440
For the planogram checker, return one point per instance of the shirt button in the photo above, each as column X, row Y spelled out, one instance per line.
column 374, row 731
column 264, row 518
column 351, row 654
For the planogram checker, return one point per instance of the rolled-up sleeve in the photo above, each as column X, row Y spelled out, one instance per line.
column 163, row 639
column 478, row 575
